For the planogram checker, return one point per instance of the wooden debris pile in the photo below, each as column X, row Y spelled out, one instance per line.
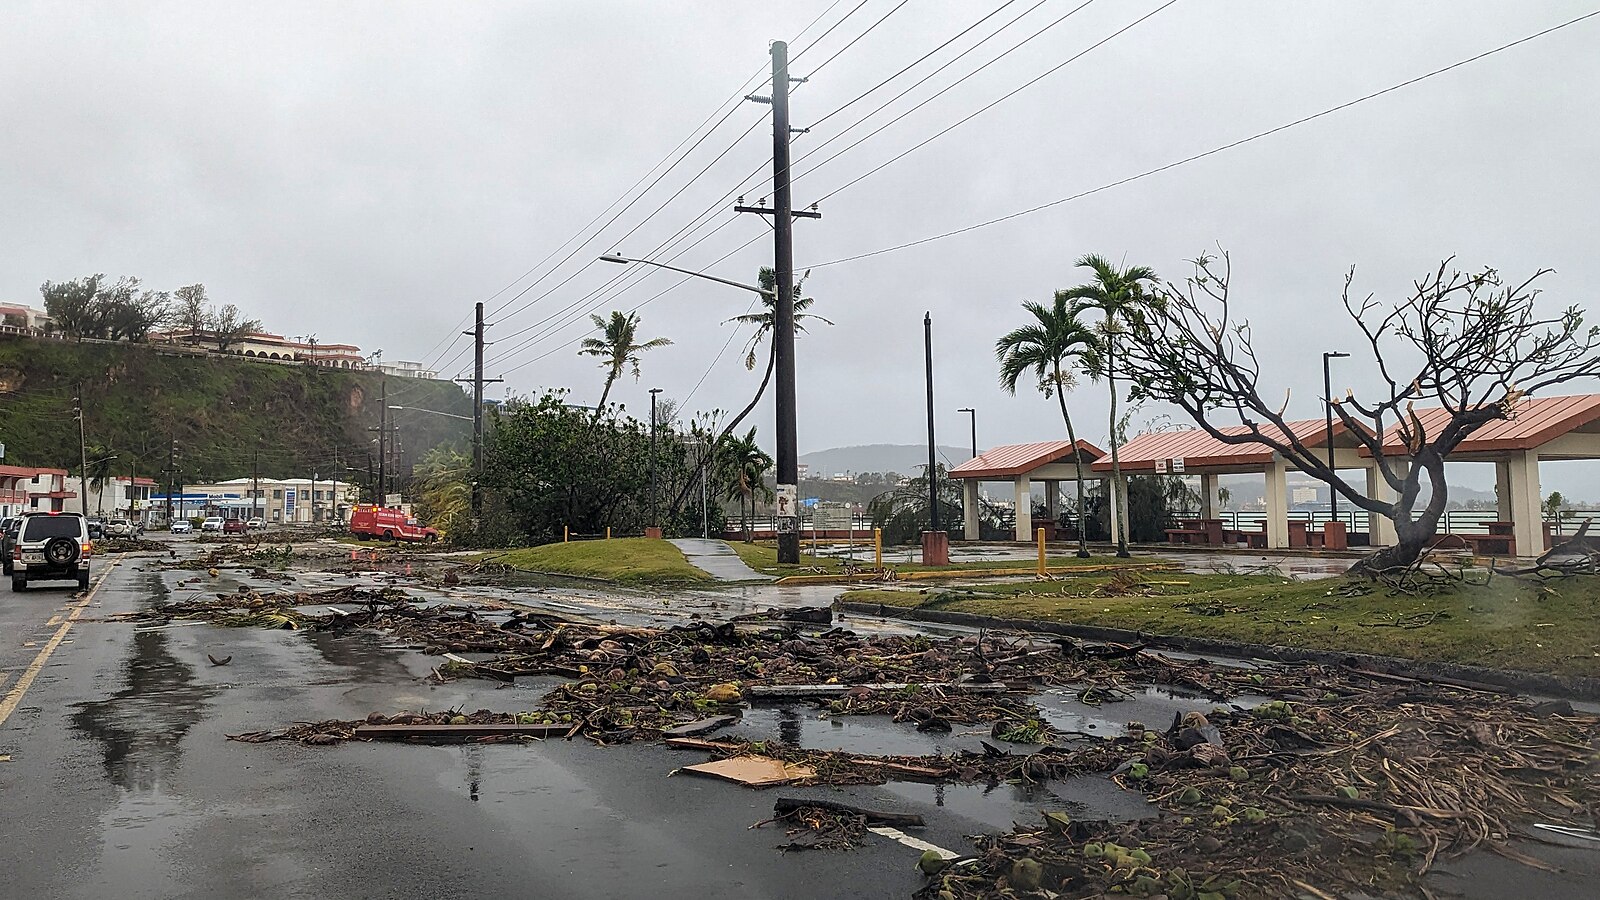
column 1360, row 788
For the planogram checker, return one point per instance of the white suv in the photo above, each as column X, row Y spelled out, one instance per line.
column 212, row 524
column 51, row 547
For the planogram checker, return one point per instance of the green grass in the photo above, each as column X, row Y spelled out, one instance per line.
column 1507, row 624
column 763, row 557
column 626, row 560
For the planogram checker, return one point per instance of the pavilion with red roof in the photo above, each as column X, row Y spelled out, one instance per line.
column 1022, row 464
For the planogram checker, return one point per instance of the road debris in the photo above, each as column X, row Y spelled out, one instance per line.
column 753, row 771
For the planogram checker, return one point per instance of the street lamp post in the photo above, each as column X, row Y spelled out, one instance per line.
column 783, row 341
column 1327, row 402
column 973, row 414
column 654, row 504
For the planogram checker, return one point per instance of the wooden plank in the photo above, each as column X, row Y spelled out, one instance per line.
column 700, row 726
column 404, row 732
column 792, row 691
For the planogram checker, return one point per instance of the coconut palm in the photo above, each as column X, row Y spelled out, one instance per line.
column 618, row 348
column 1054, row 338
column 747, row 466
column 1120, row 294
column 765, row 321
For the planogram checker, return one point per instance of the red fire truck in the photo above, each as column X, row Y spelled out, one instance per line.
column 388, row 524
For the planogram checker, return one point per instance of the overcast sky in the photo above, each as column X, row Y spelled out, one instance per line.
column 365, row 171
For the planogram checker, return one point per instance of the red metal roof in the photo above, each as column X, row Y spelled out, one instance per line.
column 1198, row 449
column 29, row 471
column 1537, row 421
column 1009, row 460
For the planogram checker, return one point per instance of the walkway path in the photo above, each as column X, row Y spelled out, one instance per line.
column 717, row 559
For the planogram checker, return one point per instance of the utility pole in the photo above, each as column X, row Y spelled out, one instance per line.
column 1327, row 402
column 783, row 216
column 83, row 455
column 478, row 381
column 255, row 483
column 933, row 473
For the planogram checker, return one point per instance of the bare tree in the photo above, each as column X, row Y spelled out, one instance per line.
column 192, row 312
column 1469, row 343
column 229, row 327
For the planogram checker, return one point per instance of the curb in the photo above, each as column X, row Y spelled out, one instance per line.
column 1575, row 687
column 944, row 574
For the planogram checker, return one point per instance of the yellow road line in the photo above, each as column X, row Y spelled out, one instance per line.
column 14, row 697
column 54, row 620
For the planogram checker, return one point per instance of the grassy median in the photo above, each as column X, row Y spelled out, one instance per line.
column 763, row 557
column 1509, row 624
column 626, row 560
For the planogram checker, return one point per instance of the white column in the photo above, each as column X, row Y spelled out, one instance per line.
column 1527, row 514
column 1382, row 529
column 1502, row 490
column 1277, row 505
column 1210, row 501
column 969, row 508
column 1024, row 508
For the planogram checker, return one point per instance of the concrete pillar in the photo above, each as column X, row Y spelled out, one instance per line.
column 1024, row 494
column 1381, row 532
column 969, row 508
column 1277, row 505
column 1502, row 490
column 1052, row 491
column 1210, row 501
column 1527, row 513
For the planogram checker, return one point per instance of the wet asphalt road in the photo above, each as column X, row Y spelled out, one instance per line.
column 121, row 783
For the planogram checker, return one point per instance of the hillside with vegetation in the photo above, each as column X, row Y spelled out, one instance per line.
column 139, row 398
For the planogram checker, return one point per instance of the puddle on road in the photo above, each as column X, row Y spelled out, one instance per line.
column 999, row 806
column 140, row 727
column 1153, row 705
column 799, row 725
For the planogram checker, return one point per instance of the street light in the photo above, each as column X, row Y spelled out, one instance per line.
column 430, row 411
column 654, row 520
column 624, row 261
column 974, row 414
column 783, row 353
column 1327, row 402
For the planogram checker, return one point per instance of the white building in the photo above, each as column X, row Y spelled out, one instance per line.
column 120, row 497
column 277, row 500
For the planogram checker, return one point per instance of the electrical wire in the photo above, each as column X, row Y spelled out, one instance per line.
column 1212, row 152
column 1007, row 96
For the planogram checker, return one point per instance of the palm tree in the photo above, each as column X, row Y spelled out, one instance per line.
column 1119, row 294
column 617, row 348
column 1055, row 336
column 747, row 467
column 765, row 321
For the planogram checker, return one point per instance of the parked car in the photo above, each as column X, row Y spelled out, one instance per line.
column 121, row 528
column 256, row 524
column 8, row 539
column 97, row 529
column 212, row 523
column 180, row 526
column 51, row 547
column 389, row 524
column 233, row 526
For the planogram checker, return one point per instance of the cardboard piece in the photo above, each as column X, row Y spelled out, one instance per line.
column 753, row 771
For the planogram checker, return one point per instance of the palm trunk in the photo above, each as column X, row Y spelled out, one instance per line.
column 728, row 429
column 1118, row 496
column 1077, row 461
column 600, row 407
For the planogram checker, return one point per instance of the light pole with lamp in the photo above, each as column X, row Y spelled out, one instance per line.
column 788, row 456
column 973, row 414
column 1327, row 402
column 654, row 507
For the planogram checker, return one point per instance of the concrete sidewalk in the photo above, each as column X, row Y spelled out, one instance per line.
column 717, row 559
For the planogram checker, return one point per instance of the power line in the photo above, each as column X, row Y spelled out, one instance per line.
column 737, row 96
column 946, row 130
column 870, row 28
column 1213, row 151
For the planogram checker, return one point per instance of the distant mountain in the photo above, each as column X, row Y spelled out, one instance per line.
column 906, row 459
